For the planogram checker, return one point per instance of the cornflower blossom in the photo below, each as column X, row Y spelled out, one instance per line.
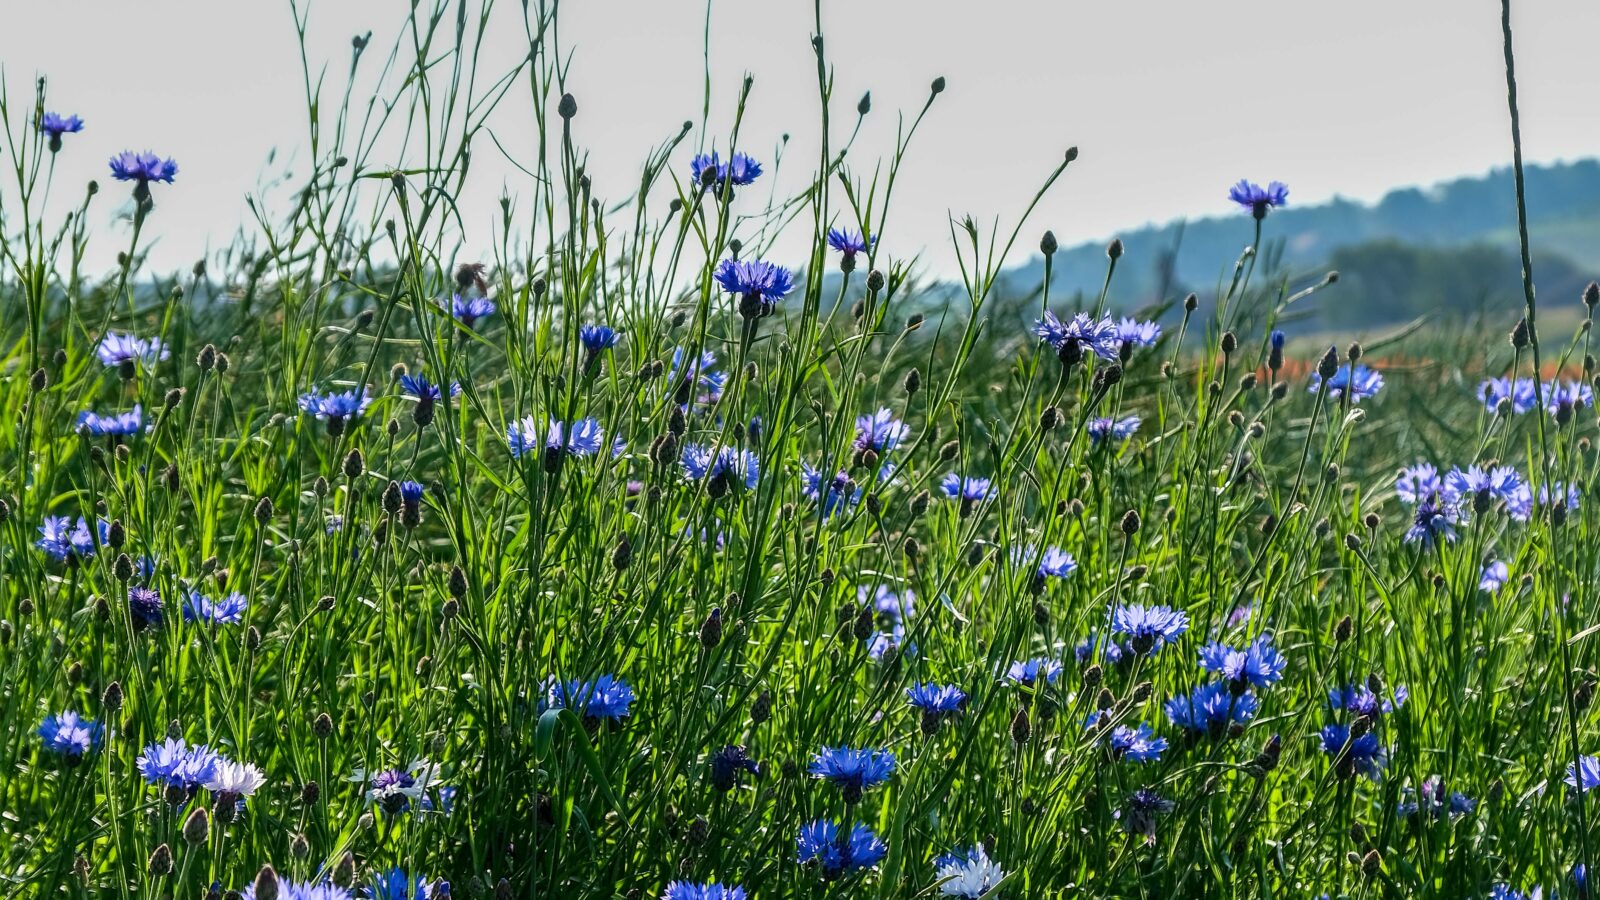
column 1257, row 199
column 1353, row 753
column 1149, row 628
column 724, row 468
column 1212, row 710
column 62, row 539
column 838, row 854
column 113, row 425
column 1082, row 332
column 120, row 350
column 1117, row 430
column 229, row 610
column 1519, row 393
column 1258, row 665
column 606, row 697
column 394, row 790
column 758, row 284
column 70, row 735
column 468, row 310
column 1030, row 672
column 683, row 890
column 1360, row 382
column 852, row 770
column 968, row 873
column 880, row 431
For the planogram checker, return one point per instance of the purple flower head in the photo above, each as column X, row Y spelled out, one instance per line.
column 1212, row 710
column 1258, row 199
column 607, row 697
column 729, row 765
column 173, row 763
column 1584, row 774
column 1478, row 487
column 61, row 538
column 1083, row 332
column 888, row 604
column 836, row 853
column 396, row 885
column 966, row 489
column 70, row 736
column 54, row 125
column 728, row 466
column 1360, row 700
column 1118, row 430
column 1495, row 575
column 740, row 170
column 1433, row 519
column 583, row 438
column 339, row 406
column 118, row 349
column 468, row 310
column 1141, row 811
column 1149, row 628
column 145, row 607
column 1562, row 397
column 848, row 242
column 1137, row 333
column 417, row 387
column 114, row 425
column 1351, row 754
column 142, row 167
column 1136, row 743
column 596, row 338
column 304, row 890
column 1259, row 665
column 834, row 494
column 852, row 770
column 935, row 698
column 1417, row 483
column 683, row 890
column 230, row 610
column 1359, row 382
column 1115, row 653
column 880, row 431
column 1030, row 672
column 884, row 642
column 394, row 790
column 968, row 873
column 1053, row 563
column 1434, row 802
column 758, row 283
column 1517, row 392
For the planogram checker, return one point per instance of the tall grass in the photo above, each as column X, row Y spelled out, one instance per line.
column 415, row 674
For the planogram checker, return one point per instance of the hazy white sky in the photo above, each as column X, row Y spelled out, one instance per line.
column 1169, row 101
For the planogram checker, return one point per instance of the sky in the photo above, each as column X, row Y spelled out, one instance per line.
column 1168, row 102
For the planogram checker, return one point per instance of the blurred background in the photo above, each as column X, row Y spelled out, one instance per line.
column 1387, row 120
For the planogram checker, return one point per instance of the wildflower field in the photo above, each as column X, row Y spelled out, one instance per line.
column 612, row 552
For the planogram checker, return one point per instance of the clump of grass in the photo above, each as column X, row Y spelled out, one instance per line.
column 618, row 556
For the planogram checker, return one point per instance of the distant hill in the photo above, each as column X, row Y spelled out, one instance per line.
column 1439, row 249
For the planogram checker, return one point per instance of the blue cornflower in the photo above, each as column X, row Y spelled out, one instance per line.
column 683, row 890
column 304, row 890
column 883, row 643
column 60, row 538
column 1433, row 802
column 967, row 872
column 1483, row 485
column 1520, row 505
column 1139, row 334
column 1114, row 652
column 144, row 605
column 1083, row 332
column 1507, row 892
column 1359, row 699
column 880, row 431
column 142, row 167
column 889, row 604
column 1351, row 754
column 1118, row 430
column 848, row 242
column 758, row 284
column 1434, row 518
column 729, row 765
column 836, row 853
column 936, row 698
column 966, row 489
column 468, row 310
column 1149, row 628
column 583, row 438
column 70, row 735
column 607, row 697
column 116, row 424
column 1029, row 672
column 727, row 467
column 1258, row 199
column 1562, row 397
column 740, row 170
column 1140, row 812
column 336, row 407
column 1495, row 575
column 833, row 494
column 419, row 388
column 1518, row 392
column 396, row 885
column 1137, row 743
column 596, row 338
column 1417, row 483
column 852, row 770
column 696, row 369
column 1259, row 665
column 173, row 763
column 1212, row 710
column 703, row 163
column 394, row 790
column 230, row 610
column 411, row 492
column 1360, row 382
column 1054, row 563
column 54, row 125
column 1584, row 774
column 119, row 349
